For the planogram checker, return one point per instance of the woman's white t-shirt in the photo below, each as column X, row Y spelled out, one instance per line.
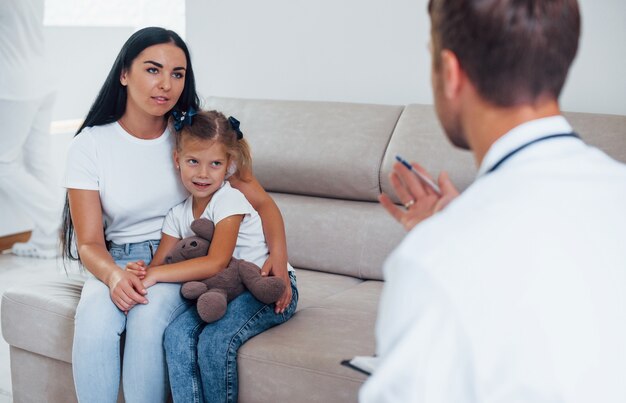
column 226, row 202
column 136, row 179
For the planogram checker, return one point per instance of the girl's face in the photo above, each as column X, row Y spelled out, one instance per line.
column 155, row 80
column 202, row 165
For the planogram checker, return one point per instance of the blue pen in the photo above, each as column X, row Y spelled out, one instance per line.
column 423, row 178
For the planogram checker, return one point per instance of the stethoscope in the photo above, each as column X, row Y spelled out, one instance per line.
column 523, row 146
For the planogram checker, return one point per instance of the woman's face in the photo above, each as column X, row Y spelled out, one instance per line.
column 155, row 80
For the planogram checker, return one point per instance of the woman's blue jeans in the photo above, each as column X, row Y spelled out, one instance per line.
column 202, row 358
column 99, row 325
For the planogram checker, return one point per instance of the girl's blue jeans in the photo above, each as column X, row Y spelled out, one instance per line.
column 99, row 324
column 202, row 358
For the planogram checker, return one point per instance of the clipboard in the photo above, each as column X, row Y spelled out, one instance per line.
column 364, row 364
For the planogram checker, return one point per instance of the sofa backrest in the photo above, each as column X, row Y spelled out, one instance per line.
column 325, row 163
column 321, row 162
column 323, row 149
column 418, row 137
column 607, row 132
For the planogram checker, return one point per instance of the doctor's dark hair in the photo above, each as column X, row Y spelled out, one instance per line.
column 214, row 126
column 110, row 103
column 513, row 51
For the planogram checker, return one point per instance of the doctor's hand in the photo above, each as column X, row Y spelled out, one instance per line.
column 419, row 200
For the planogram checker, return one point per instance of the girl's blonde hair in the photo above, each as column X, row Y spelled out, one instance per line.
column 213, row 125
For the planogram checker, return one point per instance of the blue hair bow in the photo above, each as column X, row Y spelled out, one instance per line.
column 183, row 118
column 234, row 123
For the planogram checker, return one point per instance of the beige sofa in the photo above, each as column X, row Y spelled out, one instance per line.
column 325, row 164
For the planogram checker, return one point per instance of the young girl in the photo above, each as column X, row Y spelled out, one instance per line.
column 208, row 150
column 121, row 182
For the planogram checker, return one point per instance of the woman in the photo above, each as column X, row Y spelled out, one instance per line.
column 120, row 173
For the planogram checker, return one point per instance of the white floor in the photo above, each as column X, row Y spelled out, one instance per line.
column 13, row 271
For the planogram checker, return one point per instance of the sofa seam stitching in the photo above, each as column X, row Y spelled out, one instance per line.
column 7, row 298
column 282, row 364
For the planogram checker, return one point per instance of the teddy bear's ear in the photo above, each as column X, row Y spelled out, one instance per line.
column 203, row 227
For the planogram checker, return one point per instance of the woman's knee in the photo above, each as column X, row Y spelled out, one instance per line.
column 96, row 315
column 162, row 308
column 145, row 326
column 165, row 301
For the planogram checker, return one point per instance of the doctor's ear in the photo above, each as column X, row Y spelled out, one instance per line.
column 451, row 74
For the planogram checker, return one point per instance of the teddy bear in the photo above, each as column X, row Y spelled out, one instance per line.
column 214, row 293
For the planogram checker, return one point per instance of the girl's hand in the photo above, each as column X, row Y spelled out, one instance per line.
column 126, row 290
column 278, row 268
column 149, row 280
column 151, row 276
column 137, row 268
column 420, row 201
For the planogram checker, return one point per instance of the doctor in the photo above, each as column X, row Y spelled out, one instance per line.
column 514, row 290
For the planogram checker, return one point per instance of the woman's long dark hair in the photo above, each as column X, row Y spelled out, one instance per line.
column 110, row 104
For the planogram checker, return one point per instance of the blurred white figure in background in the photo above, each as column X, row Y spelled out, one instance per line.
column 27, row 176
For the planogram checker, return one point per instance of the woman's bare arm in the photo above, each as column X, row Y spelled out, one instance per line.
column 125, row 288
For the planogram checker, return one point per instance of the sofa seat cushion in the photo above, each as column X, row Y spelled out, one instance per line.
column 301, row 358
column 363, row 297
column 39, row 317
column 334, row 321
column 316, row 286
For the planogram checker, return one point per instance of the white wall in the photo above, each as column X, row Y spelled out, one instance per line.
column 80, row 59
column 367, row 51
column 116, row 13
column 597, row 81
